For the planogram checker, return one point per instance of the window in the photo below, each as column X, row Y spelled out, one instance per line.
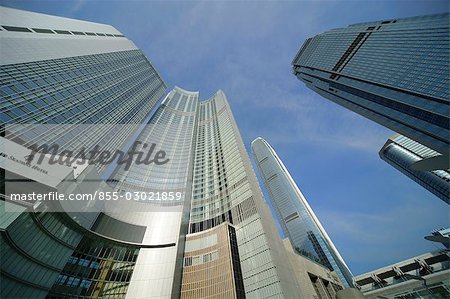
column 62, row 32
column 85, row 284
column 61, row 279
column 17, row 29
column 40, row 30
column 188, row 261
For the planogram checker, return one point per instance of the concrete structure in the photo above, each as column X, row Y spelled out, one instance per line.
column 440, row 236
column 298, row 221
column 394, row 72
column 423, row 276
column 315, row 280
column 349, row 294
column 402, row 153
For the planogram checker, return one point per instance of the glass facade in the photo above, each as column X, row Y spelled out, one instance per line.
column 79, row 90
column 172, row 128
column 394, row 72
column 96, row 269
column 298, row 221
column 49, row 76
column 402, row 152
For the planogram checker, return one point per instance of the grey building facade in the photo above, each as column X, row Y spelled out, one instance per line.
column 298, row 221
column 402, row 152
column 394, row 72
column 315, row 280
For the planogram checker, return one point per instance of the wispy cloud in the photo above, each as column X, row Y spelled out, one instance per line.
column 76, row 6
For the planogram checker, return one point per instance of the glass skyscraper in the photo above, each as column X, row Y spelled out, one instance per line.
column 61, row 71
column 394, row 72
column 297, row 219
column 402, row 152
column 56, row 70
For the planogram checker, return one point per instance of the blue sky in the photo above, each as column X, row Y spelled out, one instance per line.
column 374, row 214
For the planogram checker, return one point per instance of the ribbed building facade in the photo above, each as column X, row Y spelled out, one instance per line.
column 394, row 72
column 402, row 152
column 225, row 190
column 298, row 221
column 203, row 228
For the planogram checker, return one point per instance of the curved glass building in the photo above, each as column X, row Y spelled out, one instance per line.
column 394, row 72
column 63, row 73
column 297, row 219
column 217, row 240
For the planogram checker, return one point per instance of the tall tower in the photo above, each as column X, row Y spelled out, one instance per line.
column 394, row 72
column 155, row 227
column 89, row 84
column 58, row 71
column 402, row 152
column 229, row 219
column 297, row 219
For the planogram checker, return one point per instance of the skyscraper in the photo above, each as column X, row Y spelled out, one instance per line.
column 402, row 152
column 62, row 71
column 394, row 72
column 219, row 239
column 59, row 71
column 297, row 219
column 225, row 191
